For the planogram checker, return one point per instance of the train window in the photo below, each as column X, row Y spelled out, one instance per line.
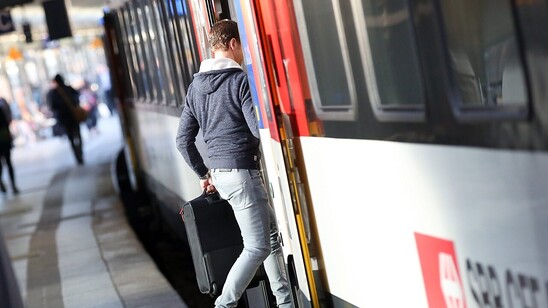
column 327, row 60
column 486, row 65
column 390, row 61
column 167, row 16
column 387, row 54
column 139, row 43
column 149, row 37
column 162, row 52
column 138, row 62
column 188, row 51
column 126, row 48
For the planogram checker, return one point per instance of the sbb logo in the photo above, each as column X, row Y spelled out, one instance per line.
column 440, row 272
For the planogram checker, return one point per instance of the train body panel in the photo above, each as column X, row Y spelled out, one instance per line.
column 404, row 142
column 491, row 205
column 157, row 134
column 283, row 206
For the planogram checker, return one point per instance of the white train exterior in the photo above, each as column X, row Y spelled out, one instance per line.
column 404, row 143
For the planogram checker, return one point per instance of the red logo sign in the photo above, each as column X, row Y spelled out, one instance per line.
column 440, row 272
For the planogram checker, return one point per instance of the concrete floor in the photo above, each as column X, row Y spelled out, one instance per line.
column 66, row 232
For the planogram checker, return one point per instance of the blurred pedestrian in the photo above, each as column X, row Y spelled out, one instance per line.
column 90, row 100
column 6, row 144
column 61, row 99
column 106, row 86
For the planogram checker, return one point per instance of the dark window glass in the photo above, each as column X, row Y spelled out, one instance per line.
column 187, row 50
column 148, row 36
column 163, row 57
column 387, row 56
column 139, row 47
column 328, row 64
column 125, row 48
column 394, row 78
column 135, row 52
column 175, row 65
column 483, row 52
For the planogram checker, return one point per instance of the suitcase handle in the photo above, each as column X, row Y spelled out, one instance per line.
column 210, row 197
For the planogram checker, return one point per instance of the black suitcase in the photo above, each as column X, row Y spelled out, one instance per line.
column 214, row 238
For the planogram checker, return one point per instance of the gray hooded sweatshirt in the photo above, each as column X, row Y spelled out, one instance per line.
column 219, row 102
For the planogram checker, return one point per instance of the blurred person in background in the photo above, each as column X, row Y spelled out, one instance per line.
column 90, row 100
column 106, row 86
column 6, row 144
column 60, row 98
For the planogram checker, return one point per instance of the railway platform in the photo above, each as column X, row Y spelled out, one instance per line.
column 66, row 233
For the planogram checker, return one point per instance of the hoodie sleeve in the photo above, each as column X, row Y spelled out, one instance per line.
column 186, row 138
column 248, row 109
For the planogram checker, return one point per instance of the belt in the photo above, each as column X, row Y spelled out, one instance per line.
column 229, row 170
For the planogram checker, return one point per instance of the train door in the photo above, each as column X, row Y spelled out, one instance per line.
column 281, row 93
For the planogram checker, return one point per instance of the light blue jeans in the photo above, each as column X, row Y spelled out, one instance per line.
column 244, row 190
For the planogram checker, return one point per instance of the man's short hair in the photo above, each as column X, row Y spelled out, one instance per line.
column 221, row 33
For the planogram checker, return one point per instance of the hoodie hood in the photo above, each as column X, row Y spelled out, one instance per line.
column 218, row 64
column 213, row 73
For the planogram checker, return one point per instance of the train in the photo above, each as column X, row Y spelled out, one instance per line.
column 404, row 142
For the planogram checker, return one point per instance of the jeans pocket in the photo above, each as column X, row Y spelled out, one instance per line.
column 232, row 187
column 255, row 190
